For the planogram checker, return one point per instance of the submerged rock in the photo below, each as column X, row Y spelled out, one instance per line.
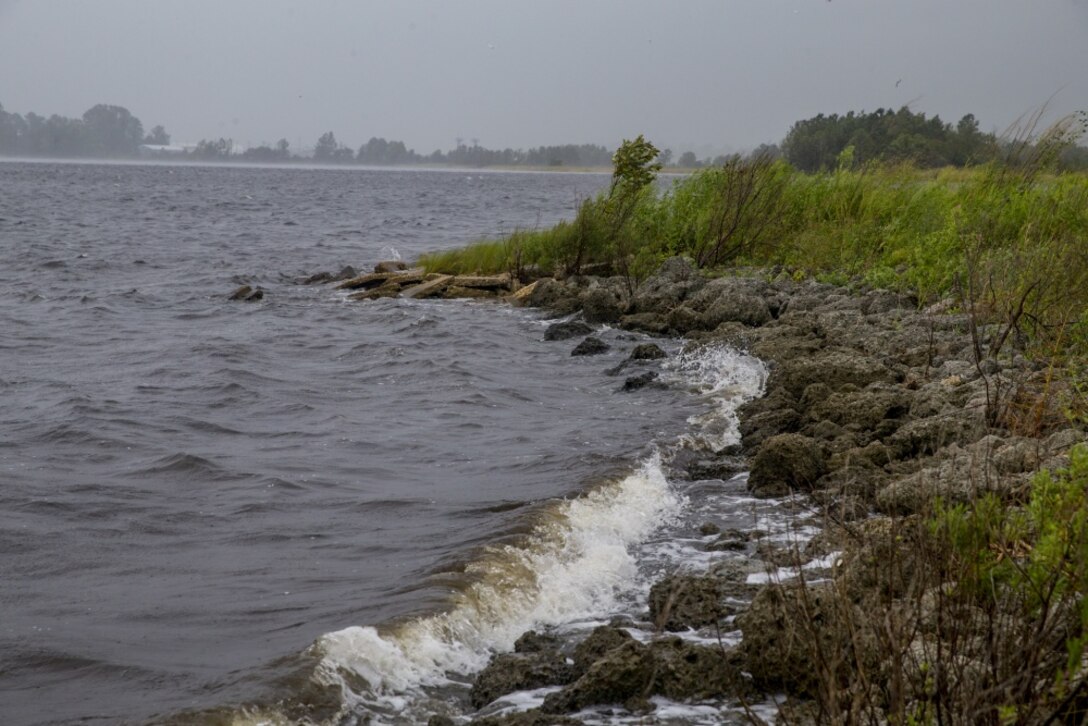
column 730, row 541
column 317, row 277
column 567, row 330
column 346, row 273
column 246, row 293
column 647, row 351
column 642, row 380
column 721, row 467
column 590, row 346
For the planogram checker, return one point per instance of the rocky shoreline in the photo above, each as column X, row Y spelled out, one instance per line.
column 873, row 408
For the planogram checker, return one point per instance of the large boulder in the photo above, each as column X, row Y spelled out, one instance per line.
column 926, row 436
column 623, row 673
column 601, row 305
column 686, row 671
column 669, row 667
column 562, row 298
column 682, row 602
column 682, row 319
column 509, row 672
column 833, row 367
column 647, row 351
column 675, row 281
column 961, row 474
column 860, row 410
column 733, row 299
column 646, row 322
column 600, row 642
column 786, row 463
column 789, row 630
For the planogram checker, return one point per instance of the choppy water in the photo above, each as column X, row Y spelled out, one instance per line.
column 200, row 500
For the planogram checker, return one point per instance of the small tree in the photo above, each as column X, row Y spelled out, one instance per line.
column 634, row 168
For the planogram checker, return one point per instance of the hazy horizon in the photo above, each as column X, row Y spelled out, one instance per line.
column 706, row 76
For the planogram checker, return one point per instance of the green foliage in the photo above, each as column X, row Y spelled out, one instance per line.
column 1026, row 568
column 999, row 237
column 885, row 135
column 634, row 166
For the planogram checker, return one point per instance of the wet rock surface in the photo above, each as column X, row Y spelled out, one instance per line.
column 687, row 602
column 591, row 346
column 509, row 672
column 872, row 408
column 567, row 330
column 647, row 351
column 245, row 293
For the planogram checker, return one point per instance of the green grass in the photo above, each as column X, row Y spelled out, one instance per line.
column 1003, row 234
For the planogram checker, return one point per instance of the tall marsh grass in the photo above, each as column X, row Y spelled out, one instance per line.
column 1014, row 236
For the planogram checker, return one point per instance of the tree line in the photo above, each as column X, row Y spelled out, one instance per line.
column 826, row 142
column 382, row 151
column 103, row 131
column 818, row 143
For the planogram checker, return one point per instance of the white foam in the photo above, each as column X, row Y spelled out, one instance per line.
column 784, row 574
column 728, row 378
column 574, row 566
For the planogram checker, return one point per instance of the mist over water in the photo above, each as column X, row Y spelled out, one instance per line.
column 195, row 489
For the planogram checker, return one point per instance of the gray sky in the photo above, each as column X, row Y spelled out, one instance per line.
column 726, row 74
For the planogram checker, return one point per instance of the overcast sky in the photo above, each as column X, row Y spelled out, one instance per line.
column 723, row 74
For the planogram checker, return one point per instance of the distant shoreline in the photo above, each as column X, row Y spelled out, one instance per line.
column 496, row 169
